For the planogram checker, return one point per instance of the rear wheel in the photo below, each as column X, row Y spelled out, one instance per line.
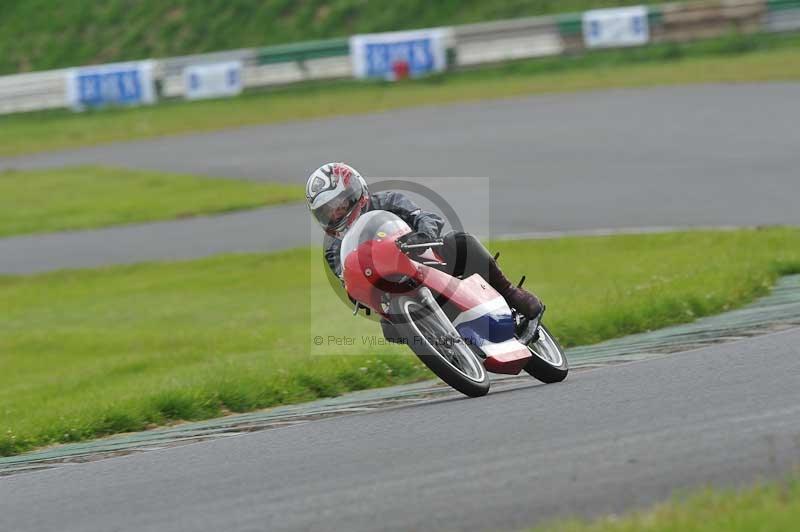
column 439, row 346
column 548, row 363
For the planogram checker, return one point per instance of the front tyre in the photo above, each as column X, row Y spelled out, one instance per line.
column 548, row 363
column 439, row 347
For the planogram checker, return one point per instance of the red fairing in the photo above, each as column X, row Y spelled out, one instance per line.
column 465, row 294
column 368, row 271
column 510, row 363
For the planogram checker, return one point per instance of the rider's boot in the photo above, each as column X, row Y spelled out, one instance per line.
column 520, row 299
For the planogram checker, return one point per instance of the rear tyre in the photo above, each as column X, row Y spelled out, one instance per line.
column 439, row 347
column 548, row 363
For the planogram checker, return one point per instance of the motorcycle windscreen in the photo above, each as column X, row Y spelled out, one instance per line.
column 373, row 225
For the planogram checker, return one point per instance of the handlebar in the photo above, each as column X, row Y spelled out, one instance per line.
column 405, row 248
column 424, row 245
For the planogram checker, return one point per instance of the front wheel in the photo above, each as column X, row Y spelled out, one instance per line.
column 439, row 346
column 548, row 363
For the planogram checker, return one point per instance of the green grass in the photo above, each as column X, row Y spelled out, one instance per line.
column 41, row 34
column 730, row 59
column 89, row 196
column 773, row 507
column 92, row 352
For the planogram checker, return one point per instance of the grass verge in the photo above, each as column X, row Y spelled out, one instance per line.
column 92, row 352
column 88, row 197
column 773, row 507
column 116, row 30
column 734, row 58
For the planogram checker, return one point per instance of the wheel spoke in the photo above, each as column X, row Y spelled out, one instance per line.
column 546, row 349
column 449, row 348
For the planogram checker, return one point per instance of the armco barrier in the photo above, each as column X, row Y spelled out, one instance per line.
column 685, row 22
column 33, row 91
column 782, row 15
column 271, row 65
column 303, row 51
column 289, row 63
column 472, row 44
column 505, row 40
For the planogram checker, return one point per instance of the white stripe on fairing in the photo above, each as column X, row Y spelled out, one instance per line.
column 492, row 349
column 484, row 308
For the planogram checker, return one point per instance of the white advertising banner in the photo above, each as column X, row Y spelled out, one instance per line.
column 624, row 26
column 213, row 80
column 400, row 53
column 113, row 84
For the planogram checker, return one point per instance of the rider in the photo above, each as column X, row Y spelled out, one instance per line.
column 337, row 195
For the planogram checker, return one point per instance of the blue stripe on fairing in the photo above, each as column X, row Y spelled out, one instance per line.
column 494, row 327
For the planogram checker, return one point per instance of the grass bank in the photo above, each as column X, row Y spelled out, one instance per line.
column 87, row 197
column 731, row 59
column 773, row 507
column 93, row 352
column 38, row 34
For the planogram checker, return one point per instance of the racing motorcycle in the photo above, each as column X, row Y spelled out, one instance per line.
column 460, row 328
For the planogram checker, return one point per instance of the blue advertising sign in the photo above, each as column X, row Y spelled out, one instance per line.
column 417, row 54
column 384, row 55
column 116, row 84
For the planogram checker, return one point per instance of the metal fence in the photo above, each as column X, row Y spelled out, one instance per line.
column 472, row 44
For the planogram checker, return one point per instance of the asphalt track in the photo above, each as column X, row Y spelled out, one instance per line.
column 676, row 156
column 603, row 441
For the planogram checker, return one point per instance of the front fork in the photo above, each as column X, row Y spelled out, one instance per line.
column 429, row 301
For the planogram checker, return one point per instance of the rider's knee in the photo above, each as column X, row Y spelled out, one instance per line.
column 459, row 240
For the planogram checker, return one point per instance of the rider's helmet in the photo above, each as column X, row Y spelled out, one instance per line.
column 336, row 195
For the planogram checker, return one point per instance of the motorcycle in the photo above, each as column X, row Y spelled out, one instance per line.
column 459, row 328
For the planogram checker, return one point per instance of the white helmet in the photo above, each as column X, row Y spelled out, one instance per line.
column 336, row 195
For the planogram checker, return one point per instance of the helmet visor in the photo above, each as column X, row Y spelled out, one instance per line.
column 333, row 211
